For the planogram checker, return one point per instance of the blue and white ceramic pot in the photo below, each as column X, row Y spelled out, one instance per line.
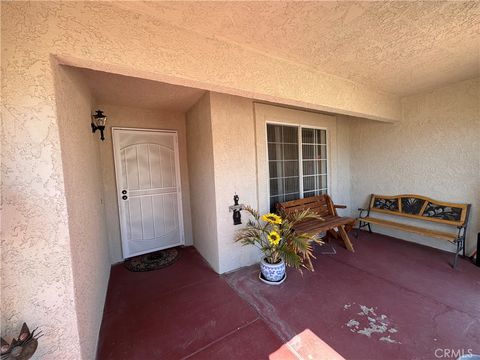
column 272, row 272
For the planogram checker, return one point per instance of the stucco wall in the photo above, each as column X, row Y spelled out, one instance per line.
column 202, row 181
column 434, row 151
column 84, row 193
column 121, row 116
column 343, row 194
column 168, row 53
column 37, row 283
column 233, row 132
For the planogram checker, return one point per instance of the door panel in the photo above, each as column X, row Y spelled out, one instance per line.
column 146, row 164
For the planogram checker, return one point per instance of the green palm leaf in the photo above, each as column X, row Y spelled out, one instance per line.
column 296, row 249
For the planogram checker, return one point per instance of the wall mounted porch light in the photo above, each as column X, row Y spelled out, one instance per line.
column 98, row 122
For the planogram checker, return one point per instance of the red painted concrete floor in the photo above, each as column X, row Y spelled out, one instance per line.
column 391, row 299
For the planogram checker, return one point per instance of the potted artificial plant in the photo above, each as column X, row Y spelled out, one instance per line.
column 281, row 246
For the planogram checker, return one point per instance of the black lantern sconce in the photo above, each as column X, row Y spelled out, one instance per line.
column 98, row 122
column 236, row 208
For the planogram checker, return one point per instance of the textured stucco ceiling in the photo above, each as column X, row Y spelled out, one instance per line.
column 397, row 47
column 108, row 88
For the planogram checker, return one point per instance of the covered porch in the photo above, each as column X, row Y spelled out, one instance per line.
column 268, row 101
column 391, row 299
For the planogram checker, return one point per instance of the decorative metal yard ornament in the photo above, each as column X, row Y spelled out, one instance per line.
column 98, row 122
column 236, row 208
column 22, row 348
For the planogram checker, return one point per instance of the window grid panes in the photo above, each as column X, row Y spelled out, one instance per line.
column 283, row 163
column 284, row 160
column 314, row 161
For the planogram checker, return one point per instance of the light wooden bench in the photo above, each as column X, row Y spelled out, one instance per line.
column 420, row 208
column 325, row 208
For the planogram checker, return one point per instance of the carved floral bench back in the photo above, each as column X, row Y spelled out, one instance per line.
column 420, row 207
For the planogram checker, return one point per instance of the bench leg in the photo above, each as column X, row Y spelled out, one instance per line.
column 345, row 238
column 369, row 228
column 460, row 248
column 357, row 229
column 349, row 227
column 362, row 224
column 456, row 255
column 332, row 233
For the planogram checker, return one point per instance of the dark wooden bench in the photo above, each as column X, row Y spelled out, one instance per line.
column 420, row 208
column 325, row 208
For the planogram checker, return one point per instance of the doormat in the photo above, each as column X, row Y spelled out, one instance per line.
column 153, row 261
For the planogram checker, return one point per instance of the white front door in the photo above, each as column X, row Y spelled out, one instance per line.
column 148, row 188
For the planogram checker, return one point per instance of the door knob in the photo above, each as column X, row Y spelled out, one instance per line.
column 124, row 197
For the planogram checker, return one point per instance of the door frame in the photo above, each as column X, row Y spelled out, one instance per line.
column 117, row 166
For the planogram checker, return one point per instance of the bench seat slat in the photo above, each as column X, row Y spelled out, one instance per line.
column 410, row 228
column 316, row 226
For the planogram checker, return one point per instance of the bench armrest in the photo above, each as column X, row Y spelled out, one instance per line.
column 361, row 211
column 339, row 206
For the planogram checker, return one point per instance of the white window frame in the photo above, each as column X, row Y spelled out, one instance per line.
column 300, row 154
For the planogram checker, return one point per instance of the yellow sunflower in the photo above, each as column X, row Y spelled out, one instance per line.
column 274, row 238
column 272, row 218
